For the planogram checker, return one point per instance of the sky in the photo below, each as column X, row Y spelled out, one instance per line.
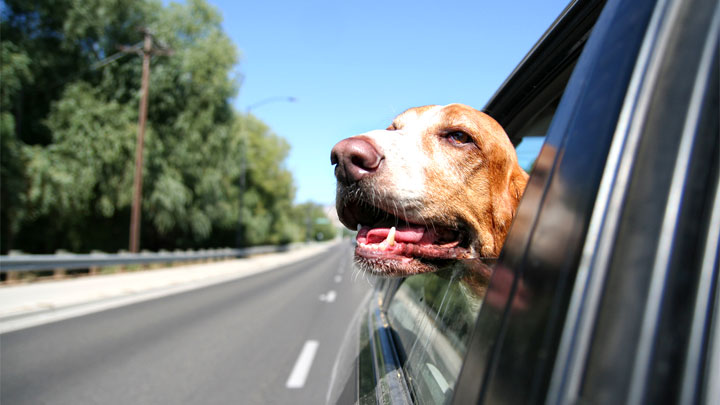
column 353, row 65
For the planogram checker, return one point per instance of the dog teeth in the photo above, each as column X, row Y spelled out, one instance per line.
column 382, row 246
column 391, row 237
column 389, row 241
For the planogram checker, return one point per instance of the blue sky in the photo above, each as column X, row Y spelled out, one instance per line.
column 354, row 65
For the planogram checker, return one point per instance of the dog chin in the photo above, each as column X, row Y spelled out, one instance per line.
column 393, row 267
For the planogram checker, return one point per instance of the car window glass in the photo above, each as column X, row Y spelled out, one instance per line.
column 431, row 317
column 533, row 136
column 528, row 151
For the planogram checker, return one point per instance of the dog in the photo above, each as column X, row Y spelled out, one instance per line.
column 441, row 183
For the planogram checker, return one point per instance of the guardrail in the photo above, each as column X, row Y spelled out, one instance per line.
column 71, row 261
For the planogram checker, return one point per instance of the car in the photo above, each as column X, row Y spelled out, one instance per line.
column 606, row 290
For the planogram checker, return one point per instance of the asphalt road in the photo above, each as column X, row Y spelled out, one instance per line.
column 233, row 343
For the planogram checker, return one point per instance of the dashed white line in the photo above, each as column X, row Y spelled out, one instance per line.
column 441, row 381
column 329, row 297
column 302, row 365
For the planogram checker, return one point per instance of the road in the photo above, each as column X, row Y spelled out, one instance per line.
column 236, row 342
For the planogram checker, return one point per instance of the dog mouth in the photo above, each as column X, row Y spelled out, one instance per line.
column 389, row 244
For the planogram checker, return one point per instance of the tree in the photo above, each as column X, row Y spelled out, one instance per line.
column 314, row 221
column 69, row 121
column 14, row 73
column 267, row 201
column 62, row 39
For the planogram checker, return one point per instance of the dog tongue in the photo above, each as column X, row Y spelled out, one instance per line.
column 407, row 234
column 407, row 241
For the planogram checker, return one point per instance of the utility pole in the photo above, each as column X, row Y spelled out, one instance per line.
column 147, row 51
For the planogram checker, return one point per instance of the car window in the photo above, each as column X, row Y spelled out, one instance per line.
column 532, row 136
column 528, row 151
column 432, row 315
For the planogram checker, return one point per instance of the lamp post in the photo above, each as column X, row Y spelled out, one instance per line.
column 242, row 183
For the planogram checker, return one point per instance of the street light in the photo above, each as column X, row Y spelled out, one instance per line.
column 268, row 101
column 239, row 241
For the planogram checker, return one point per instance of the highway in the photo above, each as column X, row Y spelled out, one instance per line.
column 270, row 338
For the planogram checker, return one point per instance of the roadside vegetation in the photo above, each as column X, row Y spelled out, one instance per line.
column 69, row 116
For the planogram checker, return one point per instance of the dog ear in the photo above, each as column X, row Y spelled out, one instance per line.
column 516, row 185
column 506, row 198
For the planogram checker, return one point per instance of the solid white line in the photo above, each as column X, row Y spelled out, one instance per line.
column 302, row 365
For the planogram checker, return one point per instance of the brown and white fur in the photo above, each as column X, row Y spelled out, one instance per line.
column 446, row 180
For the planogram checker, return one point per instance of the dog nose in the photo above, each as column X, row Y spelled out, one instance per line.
column 355, row 158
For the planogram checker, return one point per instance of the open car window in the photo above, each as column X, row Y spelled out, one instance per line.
column 431, row 316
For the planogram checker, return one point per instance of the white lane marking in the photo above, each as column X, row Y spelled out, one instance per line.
column 441, row 381
column 329, row 297
column 338, row 278
column 302, row 365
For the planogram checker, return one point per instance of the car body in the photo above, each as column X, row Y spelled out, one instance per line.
column 607, row 287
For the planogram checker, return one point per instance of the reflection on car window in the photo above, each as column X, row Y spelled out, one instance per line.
column 533, row 136
column 431, row 316
column 528, row 151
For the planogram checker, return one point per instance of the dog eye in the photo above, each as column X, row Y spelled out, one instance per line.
column 458, row 138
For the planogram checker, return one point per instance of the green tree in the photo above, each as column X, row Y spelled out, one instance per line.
column 14, row 74
column 314, row 222
column 267, row 200
column 62, row 39
column 84, row 175
column 69, row 122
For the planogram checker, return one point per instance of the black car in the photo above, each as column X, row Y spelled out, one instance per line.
column 607, row 287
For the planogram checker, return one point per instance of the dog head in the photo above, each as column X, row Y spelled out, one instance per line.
column 440, row 183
